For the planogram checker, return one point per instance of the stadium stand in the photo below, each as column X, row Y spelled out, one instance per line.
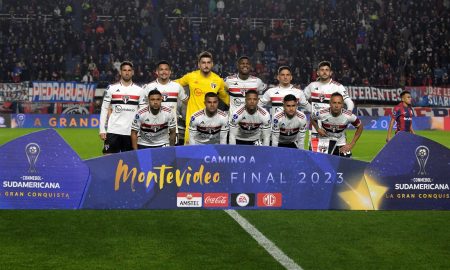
column 389, row 43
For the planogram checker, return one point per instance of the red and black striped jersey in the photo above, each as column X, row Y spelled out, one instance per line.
column 124, row 102
column 238, row 87
column 153, row 129
column 334, row 126
column 289, row 129
column 248, row 127
column 208, row 130
column 274, row 97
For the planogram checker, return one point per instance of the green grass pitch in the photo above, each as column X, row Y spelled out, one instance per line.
column 200, row 239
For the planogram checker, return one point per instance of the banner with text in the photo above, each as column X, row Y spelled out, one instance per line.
column 55, row 120
column 225, row 176
column 429, row 96
column 370, row 94
column 411, row 172
column 387, row 111
column 41, row 171
column 63, row 92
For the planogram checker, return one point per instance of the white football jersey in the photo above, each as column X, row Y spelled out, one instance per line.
column 335, row 126
column 238, row 87
column 153, row 130
column 274, row 97
column 289, row 130
column 124, row 101
column 320, row 93
column 249, row 127
column 208, row 130
column 171, row 93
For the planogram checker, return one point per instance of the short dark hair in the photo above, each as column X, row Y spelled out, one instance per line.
column 404, row 93
column 154, row 92
column 126, row 63
column 163, row 62
column 324, row 63
column 289, row 97
column 243, row 58
column 211, row 94
column 205, row 54
column 337, row 94
column 284, row 68
column 251, row 92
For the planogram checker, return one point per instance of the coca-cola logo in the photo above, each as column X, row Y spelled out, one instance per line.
column 215, row 200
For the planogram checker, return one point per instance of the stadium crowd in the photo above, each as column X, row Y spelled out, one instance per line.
column 389, row 43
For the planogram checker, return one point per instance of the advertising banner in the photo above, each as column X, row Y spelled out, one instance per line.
column 41, row 171
column 411, row 172
column 10, row 92
column 374, row 94
column 418, row 111
column 430, row 96
column 226, row 176
column 63, row 92
column 55, row 120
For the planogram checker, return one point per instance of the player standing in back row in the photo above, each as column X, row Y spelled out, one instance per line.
column 124, row 99
column 201, row 82
column 171, row 91
column 319, row 94
column 274, row 96
column 238, row 84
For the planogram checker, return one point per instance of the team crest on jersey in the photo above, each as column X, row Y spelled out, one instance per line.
column 165, row 97
column 242, row 90
column 321, row 97
column 213, row 85
column 125, row 99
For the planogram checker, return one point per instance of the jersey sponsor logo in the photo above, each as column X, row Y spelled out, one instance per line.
column 188, row 199
column 119, row 109
column 237, row 102
column 242, row 199
column 269, row 200
column 198, row 92
column 215, row 200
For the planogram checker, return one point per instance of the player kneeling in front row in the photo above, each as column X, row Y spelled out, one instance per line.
column 210, row 125
column 289, row 125
column 153, row 126
column 249, row 122
column 335, row 120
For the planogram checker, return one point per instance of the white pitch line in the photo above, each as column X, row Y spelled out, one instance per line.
column 263, row 241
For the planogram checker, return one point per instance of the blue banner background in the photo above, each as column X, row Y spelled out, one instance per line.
column 56, row 163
